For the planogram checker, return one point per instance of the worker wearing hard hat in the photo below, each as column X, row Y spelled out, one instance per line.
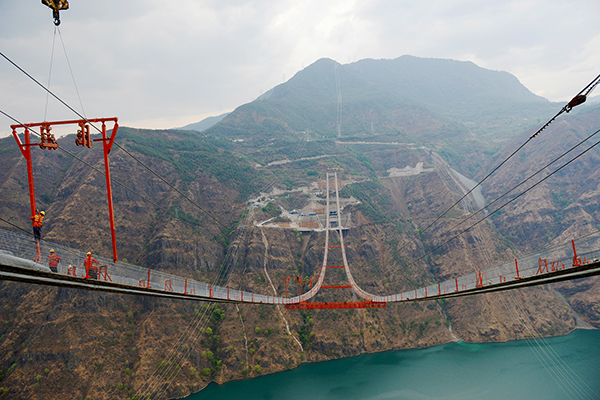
column 38, row 220
column 53, row 261
column 91, row 266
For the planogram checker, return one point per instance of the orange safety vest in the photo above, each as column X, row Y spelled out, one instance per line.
column 37, row 220
column 89, row 262
column 53, row 260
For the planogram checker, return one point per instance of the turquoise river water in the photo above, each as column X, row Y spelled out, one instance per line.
column 565, row 367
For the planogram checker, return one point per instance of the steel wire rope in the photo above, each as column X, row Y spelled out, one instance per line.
column 189, row 340
column 50, row 72
column 538, row 352
column 524, row 181
column 544, row 348
column 98, row 129
column 102, row 173
column 172, row 360
column 178, row 357
column 174, row 370
column 175, row 356
column 562, row 366
column 16, row 226
column 567, row 108
column 70, row 69
column 544, row 361
column 127, row 152
column 505, row 204
column 568, row 370
column 237, row 249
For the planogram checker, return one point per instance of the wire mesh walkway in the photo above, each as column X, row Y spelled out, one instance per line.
column 573, row 260
column 577, row 259
column 17, row 252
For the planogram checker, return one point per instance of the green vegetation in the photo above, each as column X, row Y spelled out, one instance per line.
column 193, row 155
column 376, row 202
column 272, row 209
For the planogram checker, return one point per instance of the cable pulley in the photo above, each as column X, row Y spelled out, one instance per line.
column 577, row 100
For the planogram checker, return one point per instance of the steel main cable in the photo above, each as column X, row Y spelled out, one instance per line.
column 562, row 366
column 104, row 173
column 505, row 204
column 524, row 181
column 122, row 148
column 221, row 271
column 174, row 371
column 538, row 352
column 98, row 129
column 175, row 356
column 578, row 99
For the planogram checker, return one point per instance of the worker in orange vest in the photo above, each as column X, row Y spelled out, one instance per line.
column 91, row 271
column 38, row 220
column 53, row 261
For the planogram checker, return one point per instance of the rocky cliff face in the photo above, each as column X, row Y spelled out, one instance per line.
column 63, row 343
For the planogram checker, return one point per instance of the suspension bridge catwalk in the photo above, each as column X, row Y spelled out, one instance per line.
column 577, row 259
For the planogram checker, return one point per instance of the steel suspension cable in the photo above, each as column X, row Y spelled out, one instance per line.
column 571, row 375
column 567, row 108
column 562, row 368
column 103, row 173
column 505, row 204
column 538, row 352
column 524, row 181
column 172, row 370
column 98, row 129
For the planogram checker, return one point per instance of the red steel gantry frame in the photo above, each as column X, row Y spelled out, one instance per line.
column 83, row 139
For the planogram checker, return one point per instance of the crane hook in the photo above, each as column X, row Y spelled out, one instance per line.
column 56, row 17
column 56, row 6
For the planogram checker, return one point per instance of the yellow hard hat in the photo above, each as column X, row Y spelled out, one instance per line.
column 51, row 250
column 89, row 254
column 43, row 212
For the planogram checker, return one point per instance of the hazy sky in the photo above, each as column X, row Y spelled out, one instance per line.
column 163, row 64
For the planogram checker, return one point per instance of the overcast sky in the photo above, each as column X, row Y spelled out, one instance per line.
column 163, row 64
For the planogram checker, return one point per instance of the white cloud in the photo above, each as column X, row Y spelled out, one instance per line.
column 162, row 64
